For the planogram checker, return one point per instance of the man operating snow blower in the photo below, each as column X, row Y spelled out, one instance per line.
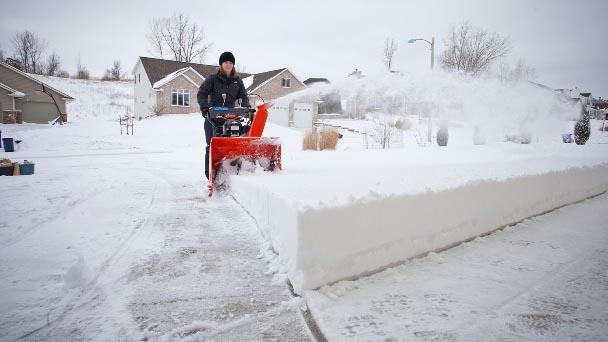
column 233, row 134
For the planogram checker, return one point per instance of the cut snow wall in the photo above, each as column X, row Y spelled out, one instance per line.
column 324, row 245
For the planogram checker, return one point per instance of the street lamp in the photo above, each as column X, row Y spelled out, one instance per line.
column 432, row 43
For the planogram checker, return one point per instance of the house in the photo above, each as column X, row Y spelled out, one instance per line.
column 278, row 86
column 312, row 81
column 170, row 87
column 24, row 98
column 601, row 109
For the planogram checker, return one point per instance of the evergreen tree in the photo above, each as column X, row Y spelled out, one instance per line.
column 582, row 130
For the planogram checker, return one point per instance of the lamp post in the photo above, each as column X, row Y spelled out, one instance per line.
column 432, row 44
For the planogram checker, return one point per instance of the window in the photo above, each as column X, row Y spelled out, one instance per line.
column 180, row 97
column 139, row 75
column 286, row 83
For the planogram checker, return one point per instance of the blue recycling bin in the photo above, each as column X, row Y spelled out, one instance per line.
column 8, row 144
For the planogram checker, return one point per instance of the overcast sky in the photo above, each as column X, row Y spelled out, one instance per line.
column 565, row 41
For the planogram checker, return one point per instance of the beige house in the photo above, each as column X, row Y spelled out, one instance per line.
column 170, row 87
column 26, row 99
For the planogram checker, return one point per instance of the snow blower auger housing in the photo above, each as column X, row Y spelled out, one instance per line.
column 237, row 138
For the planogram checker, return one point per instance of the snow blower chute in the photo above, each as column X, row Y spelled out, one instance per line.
column 237, row 142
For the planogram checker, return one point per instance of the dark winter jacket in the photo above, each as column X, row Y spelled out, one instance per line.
column 218, row 84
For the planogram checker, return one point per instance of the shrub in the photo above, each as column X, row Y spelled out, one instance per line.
column 325, row 139
column 328, row 139
column 311, row 140
column 442, row 136
column 582, row 131
column 526, row 137
column 403, row 124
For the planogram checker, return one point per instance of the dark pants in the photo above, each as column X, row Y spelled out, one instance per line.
column 208, row 136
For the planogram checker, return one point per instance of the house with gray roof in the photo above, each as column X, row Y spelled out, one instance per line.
column 170, row 87
column 23, row 98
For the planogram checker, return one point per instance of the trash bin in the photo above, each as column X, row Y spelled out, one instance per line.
column 567, row 138
column 8, row 144
column 6, row 170
column 26, row 169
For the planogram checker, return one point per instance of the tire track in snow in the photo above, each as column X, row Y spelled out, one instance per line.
column 95, row 288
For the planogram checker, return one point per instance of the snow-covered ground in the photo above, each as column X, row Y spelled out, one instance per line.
column 113, row 237
column 545, row 279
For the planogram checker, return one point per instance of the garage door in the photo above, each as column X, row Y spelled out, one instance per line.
column 302, row 115
column 39, row 112
column 279, row 114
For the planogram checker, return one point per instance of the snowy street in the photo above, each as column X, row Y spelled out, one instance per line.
column 545, row 279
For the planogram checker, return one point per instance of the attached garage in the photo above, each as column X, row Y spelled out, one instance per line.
column 279, row 114
column 27, row 97
column 302, row 115
column 40, row 112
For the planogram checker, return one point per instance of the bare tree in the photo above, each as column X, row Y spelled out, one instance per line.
column 81, row 71
column 53, row 63
column 520, row 72
column 384, row 130
column 390, row 47
column 28, row 48
column 240, row 67
column 14, row 62
column 155, row 37
column 1, row 54
column 472, row 50
column 115, row 73
column 178, row 36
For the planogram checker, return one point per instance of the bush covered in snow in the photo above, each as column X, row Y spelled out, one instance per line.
column 582, row 131
column 442, row 135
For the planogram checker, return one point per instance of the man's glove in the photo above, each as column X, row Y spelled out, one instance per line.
column 205, row 111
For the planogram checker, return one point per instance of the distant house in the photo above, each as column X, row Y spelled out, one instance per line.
column 601, row 109
column 312, row 81
column 170, row 87
column 23, row 98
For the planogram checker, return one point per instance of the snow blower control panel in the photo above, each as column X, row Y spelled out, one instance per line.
column 230, row 122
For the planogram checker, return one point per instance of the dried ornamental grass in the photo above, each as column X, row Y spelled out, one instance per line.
column 328, row 139
column 311, row 140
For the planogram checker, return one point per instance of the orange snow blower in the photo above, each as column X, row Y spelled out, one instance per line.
column 237, row 143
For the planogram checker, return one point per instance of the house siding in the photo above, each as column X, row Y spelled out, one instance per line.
column 194, row 77
column 6, row 102
column 145, row 97
column 164, row 97
column 273, row 89
column 32, row 91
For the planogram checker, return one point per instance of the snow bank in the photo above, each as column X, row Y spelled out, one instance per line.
column 326, row 238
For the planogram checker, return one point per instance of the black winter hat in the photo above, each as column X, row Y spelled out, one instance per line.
column 226, row 56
